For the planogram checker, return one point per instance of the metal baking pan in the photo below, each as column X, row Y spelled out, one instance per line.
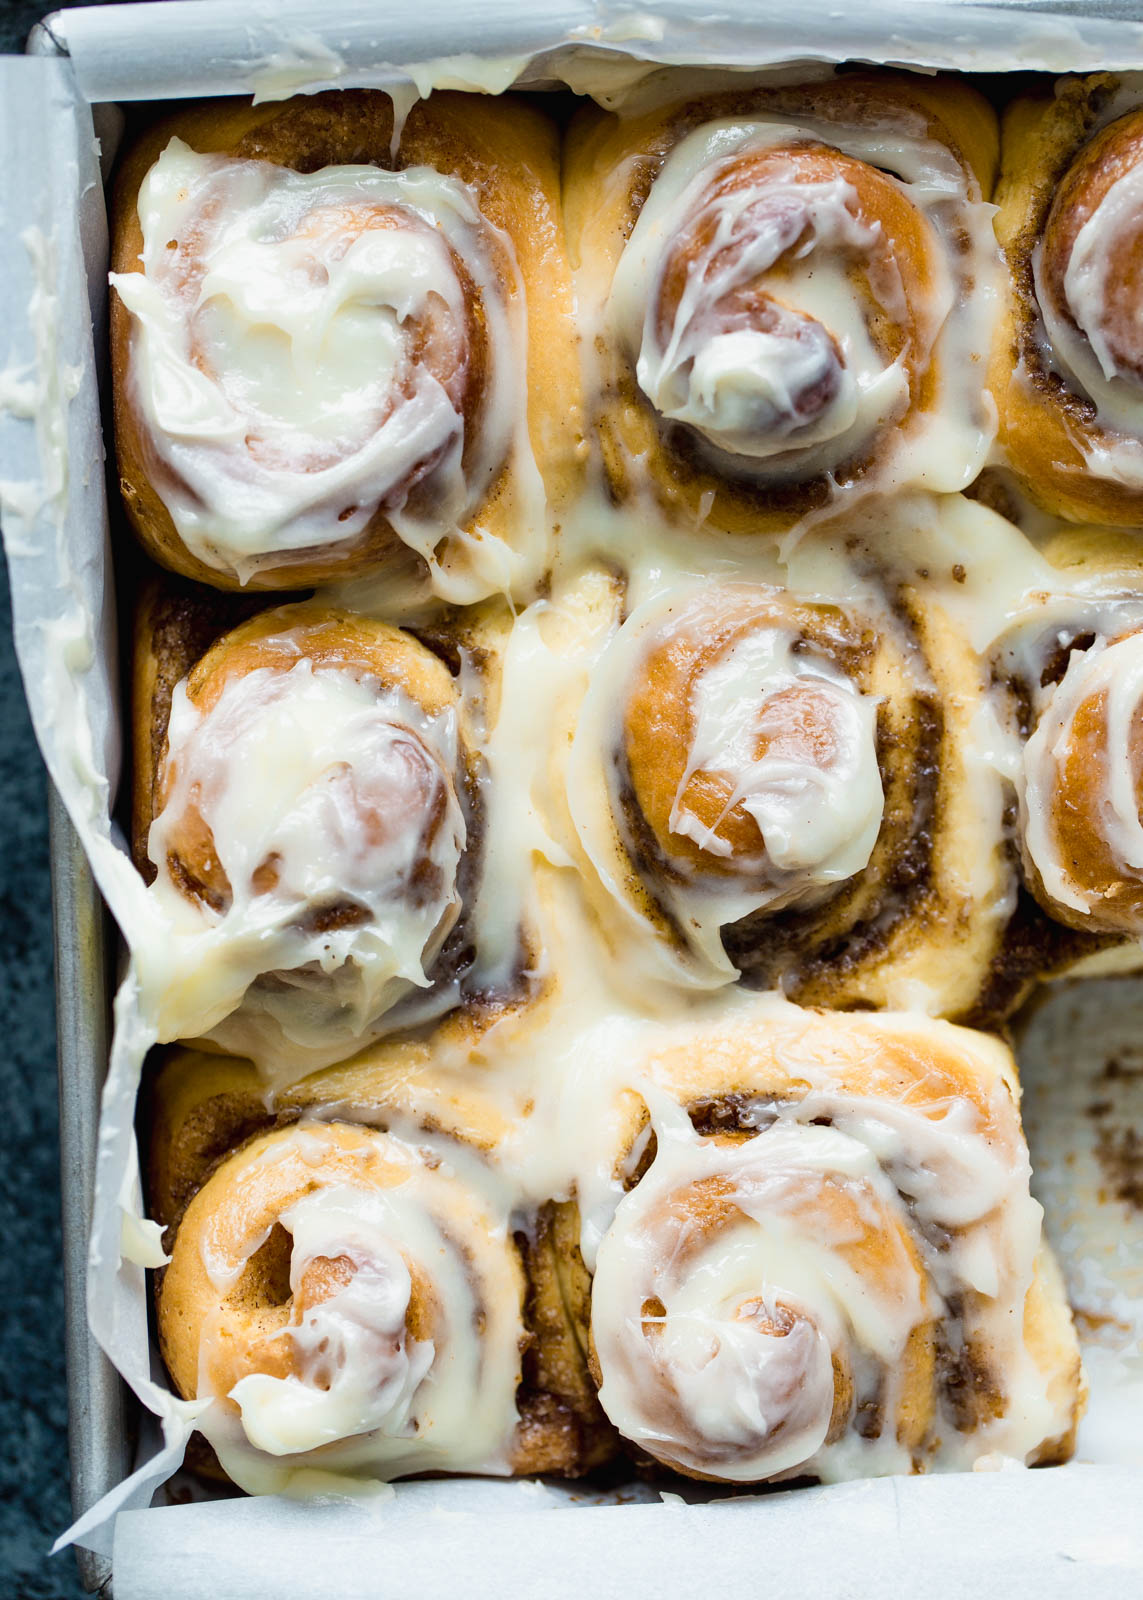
column 103, row 1413
column 100, row 1404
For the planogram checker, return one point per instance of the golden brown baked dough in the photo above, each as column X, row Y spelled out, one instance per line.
column 273, row 642
column 175, row 623
column 1077, row 805
column 1062, row 153
column 316, row 1282
column 315, row 815
column 1080, row 701
column 506, row 152
column 202, row 1105
column 799, row 722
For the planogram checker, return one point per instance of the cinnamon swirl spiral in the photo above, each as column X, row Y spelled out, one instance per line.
column 1068, row 376
column 349, row 1302
column 826, row 1261
column 776, row 786
column 1082, row 791
column 789, row 285
column 204, row 1108
column 333, row 345
column 310, row 835
column 1062, row 719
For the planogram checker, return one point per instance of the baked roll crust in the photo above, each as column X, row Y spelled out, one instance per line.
column 348, row 1304
column 1068, row 370
column 314, row 832
column 1074, row 671
column 432, row 1209
column 214, row 1135
column 1083, row 792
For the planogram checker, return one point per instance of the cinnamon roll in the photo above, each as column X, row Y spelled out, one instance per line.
column 337, row 341
column 1080, row 776
column 1060, row 726
column 1082, row 791
column 348, row 1302
column 311, row 835
column 780, row 787
column 204, row 1108
column 790, row 291
column 826, row 1261
column 1068, row 374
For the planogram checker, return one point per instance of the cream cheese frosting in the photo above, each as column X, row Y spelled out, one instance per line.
column 818, row 803
column 366, row 1395
column 579, row 1037
column 320, row 789
column 743, row 387
column 819, row 820
column 359, row 1372
column 732, row 1287
column 1078, row 335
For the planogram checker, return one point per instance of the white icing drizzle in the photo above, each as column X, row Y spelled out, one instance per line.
column 367, row 1398
column 358, row 1373
column 585, row 1036
column 1019, row 611
column 1087, row 280
column 320, row 789
column 818, row 821
column 759, row 1400
column 1116, row 671
column 808, row 390
column 1085, row 356
column 274, row 364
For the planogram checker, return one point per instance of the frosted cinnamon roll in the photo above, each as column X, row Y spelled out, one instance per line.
column 1081, row 791
column 350, row 1302
column 338, row 344
column 203, row 1108
column 311, row 835
column 791, row 291
column 1059, row 726
column 1068, row 375
column 772, row 785
column 826, row 1262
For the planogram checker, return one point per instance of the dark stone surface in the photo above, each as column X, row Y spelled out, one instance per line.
column 34, row 1504
column 34, row 1500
